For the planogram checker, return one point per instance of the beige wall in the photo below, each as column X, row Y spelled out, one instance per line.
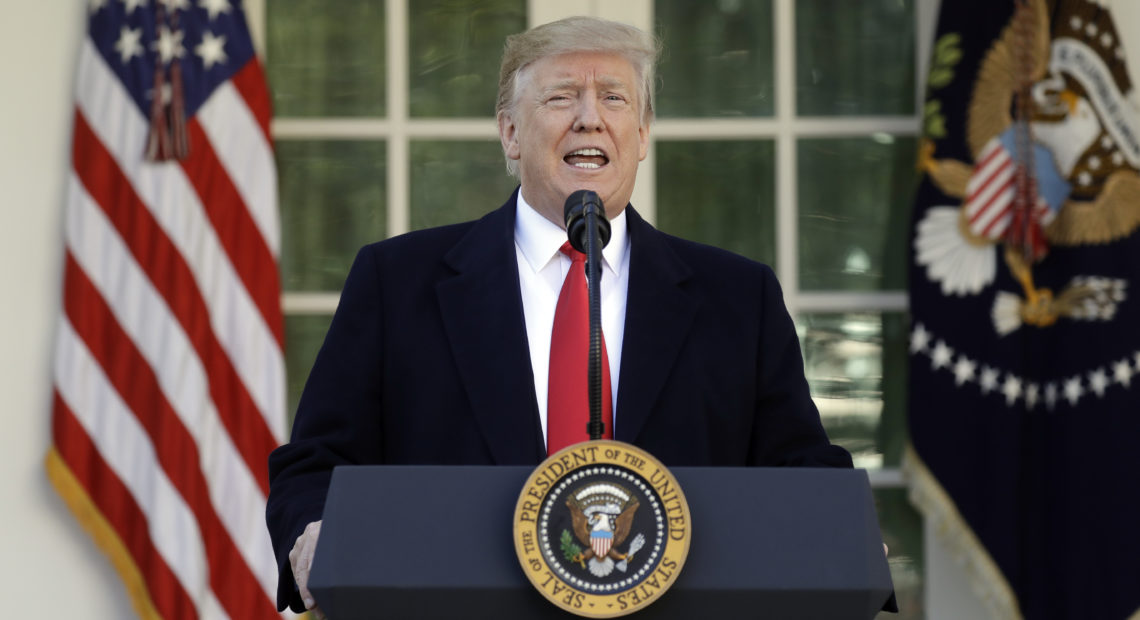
column 48, row 567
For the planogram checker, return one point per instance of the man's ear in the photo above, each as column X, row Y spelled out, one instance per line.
column 508, row 135
column 643, row 141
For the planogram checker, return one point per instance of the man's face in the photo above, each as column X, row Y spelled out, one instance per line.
column 576, row 124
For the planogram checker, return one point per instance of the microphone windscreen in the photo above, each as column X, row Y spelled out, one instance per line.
column 578, row 204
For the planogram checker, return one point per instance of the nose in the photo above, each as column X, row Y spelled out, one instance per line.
column 588, row 115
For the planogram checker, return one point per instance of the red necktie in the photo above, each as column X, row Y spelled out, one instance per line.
column 568, row 403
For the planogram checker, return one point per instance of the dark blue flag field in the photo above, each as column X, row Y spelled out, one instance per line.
column 1025, row 299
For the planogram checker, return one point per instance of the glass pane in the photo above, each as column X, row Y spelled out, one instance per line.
column 720, row 193
column 332, row 196
column 456, row 180
column 326, row 58
column 855, row 366
column 717, row 58
column 854, row 209
column 854, row 58
column 455, row 50
column 304, row 334
column 902, row 531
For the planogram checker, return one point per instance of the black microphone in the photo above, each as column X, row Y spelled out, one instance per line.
column 579, row 206
column 589, row 231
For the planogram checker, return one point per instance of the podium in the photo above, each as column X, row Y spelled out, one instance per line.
column 431, row 542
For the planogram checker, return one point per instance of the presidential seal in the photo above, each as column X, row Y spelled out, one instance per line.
column 602, row 529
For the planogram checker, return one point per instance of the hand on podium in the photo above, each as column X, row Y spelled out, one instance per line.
column 301, row 561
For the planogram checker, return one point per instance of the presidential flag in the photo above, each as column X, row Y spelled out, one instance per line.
column 1025, row 298
column 169, row 373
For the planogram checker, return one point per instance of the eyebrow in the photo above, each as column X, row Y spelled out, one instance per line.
column 605, row 82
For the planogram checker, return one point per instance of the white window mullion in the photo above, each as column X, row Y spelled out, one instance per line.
column 886, row 478
column 539, row 12
column 753, row 128
column 399, row 180
column 787, row 241
column 255, row 19
column 861, row 301
column 294, row 303
column 328, row 128
column 638, row 13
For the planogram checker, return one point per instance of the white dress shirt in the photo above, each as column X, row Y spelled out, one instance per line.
column 542, row 267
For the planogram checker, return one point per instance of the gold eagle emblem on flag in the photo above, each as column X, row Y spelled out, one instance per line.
column 1056, row 163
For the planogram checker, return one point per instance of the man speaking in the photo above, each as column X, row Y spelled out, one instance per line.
column 449, row 344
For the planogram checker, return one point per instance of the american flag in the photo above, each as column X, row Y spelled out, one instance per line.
column 991, row 194
column 169, row 373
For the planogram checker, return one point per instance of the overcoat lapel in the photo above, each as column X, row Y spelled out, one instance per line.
column 659, row 314
column 482, row 314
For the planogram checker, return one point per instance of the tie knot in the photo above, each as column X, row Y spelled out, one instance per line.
column 575, row 255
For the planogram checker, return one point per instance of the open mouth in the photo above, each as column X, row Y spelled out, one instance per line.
column 589, row 158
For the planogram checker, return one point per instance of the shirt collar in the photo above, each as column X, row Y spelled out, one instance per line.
column 540, row 239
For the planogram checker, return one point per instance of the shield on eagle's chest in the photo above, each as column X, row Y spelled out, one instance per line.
column 601, row 542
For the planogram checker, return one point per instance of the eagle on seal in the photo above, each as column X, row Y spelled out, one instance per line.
column 602, row 516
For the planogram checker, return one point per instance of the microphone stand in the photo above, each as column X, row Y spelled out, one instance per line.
column 594, row 427
column 589, row 232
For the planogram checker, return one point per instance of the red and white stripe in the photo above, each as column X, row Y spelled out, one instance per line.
column 169, row 371
column 601, row 545
column 990, row 193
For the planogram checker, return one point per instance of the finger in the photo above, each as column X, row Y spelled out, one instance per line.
column 307, row 599
column 301, row 576
column 301, row 561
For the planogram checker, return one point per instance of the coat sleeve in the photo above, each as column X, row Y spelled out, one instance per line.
column 787, row 430
column 338, row 419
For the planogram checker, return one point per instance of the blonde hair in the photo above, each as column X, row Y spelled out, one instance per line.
column 571, row 35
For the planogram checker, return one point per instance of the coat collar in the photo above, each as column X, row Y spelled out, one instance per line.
column 482, row 312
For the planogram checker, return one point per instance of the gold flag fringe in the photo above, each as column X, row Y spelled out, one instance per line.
column 105, row 537
column 940, row 513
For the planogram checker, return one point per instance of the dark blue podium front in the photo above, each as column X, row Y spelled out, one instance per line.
column 436, row 542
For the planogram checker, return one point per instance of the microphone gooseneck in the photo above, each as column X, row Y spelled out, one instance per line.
column 589, row 231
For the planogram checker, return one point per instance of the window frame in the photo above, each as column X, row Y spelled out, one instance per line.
column 785, row 128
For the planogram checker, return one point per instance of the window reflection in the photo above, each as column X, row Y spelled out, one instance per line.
column 719, row 192
column 326, row 58
column 456, row 180
column 847, row 358
column 717, row 59
column 855, row 58
column 853, row 228
column 455, row 49
column 333, row 201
